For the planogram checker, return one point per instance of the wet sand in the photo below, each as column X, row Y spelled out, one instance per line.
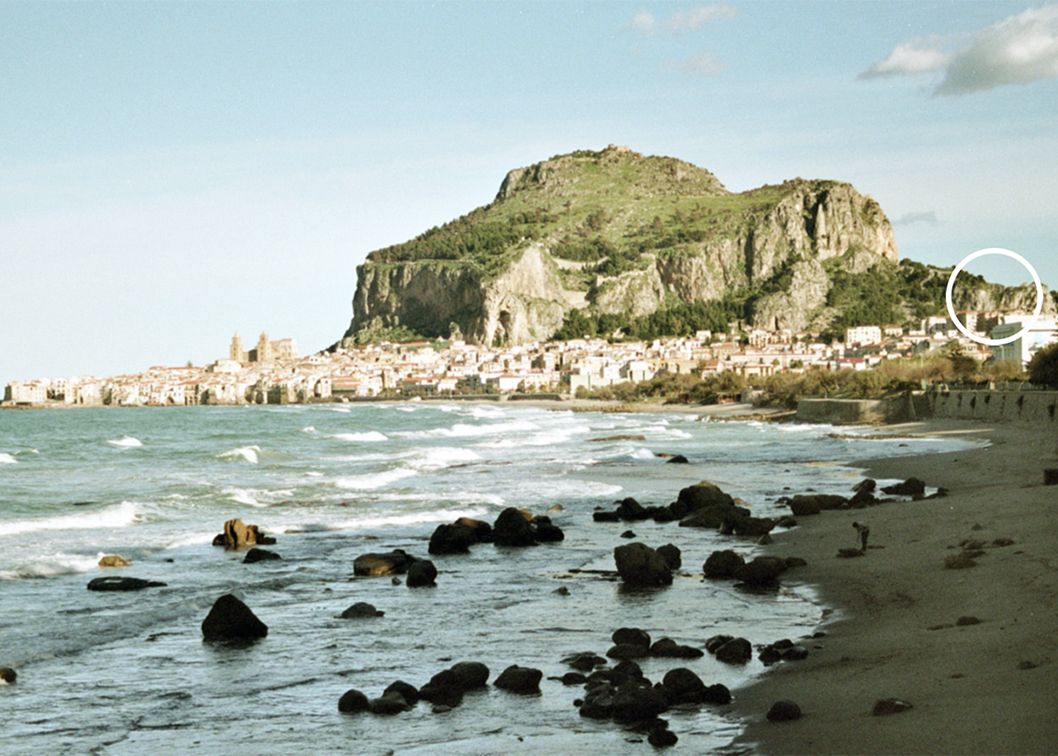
column 990, row 687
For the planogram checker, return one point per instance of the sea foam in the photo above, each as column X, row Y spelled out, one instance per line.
column 116, row 516
column 366, row 437
column 372, row 481
column 245, row 453
column 7, row 459
column 125, row 442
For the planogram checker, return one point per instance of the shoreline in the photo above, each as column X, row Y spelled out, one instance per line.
column 891, row 629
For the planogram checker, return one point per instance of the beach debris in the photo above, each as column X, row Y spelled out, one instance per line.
column 1003, row 542
column 1023, row 665
column 561, row 591
column 113, row 560
column 523, row 680
column 260, row 555
column 849, row 553
column 8, row 676
column 1050, row 476
column 960, row 561
column 812, row 504
column 966, row 620
column 620, row 437
column 677, row 459
column 784, row 711
column 722, row 565
column 231, row 620
column 421, row 574
column 888, row 706
column 668, row 648
column 863, row 532
column 585, row 661
column 640, row 565
column 729, row 650
column 628, row 534
column 122, row 584
column 912, row 487
column 672, row 555
column 794, row 561
column 361, row 610
column 395, row 562
column 352, row 702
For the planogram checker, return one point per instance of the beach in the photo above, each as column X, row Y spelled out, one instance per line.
column 988, row 687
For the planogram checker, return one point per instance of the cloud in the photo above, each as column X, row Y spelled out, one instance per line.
column 928, row 217
column 698, row 65
column 682, row 20
column 1017, row 50
column 1020, row 49
column 909, row 58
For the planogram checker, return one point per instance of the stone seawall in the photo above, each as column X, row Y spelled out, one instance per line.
column 1031, row 407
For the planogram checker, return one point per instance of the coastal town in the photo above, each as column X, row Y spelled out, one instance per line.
column 272, row 372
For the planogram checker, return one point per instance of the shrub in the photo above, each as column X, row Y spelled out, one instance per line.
column 1043, row 368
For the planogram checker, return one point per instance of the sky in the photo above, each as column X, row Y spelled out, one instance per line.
column 172, row 173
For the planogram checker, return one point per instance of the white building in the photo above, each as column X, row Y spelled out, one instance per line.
column 1043, row 332
column 863, row 336
column 35, row 392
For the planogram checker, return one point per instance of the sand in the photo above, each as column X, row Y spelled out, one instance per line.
column 990, row 687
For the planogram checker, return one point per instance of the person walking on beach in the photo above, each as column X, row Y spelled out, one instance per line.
column 863, row 532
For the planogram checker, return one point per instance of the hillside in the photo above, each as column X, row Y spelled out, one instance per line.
column 614, row 241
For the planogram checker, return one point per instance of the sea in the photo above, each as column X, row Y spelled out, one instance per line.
column 130, row 673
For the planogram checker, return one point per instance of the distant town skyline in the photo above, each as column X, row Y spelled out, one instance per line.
column 171, row 173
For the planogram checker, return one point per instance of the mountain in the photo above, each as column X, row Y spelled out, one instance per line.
column 615, row 241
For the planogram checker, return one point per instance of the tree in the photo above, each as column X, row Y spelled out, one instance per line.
column 1043, row 368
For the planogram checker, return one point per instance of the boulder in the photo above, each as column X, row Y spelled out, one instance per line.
column 717, row 694
column 452, row 539
column 122, row 584
column 794, row 653
column 735, row 651
column 639, row 565
column 407, row 691
column 636, row 702
column 231, row 620
column 113, row 560
column 630, row 509
column 712, row 516
column 747, row 526
column 352, row 701
column 8, row 676
column 517, row 679
column 444, row 689
column 571, row 678
column 238, row 535
column 865, row 486
column 677, row 459
column 585, row 661
column 470, row 675
column 761, row 572
column 627, row 651
column 667, row 647
column 482, row 530
column 512, row 528
column 672, row 556
column 683, row 686
column 911, row 487
column 632, row 636
column 598, row 703
column 888, row 706
column 961, row 561
column 784, row 711
column 395, row 562
column 628, row 534
column 422, row 574
column 661, row 736
column 603, row 516
column 793, row 561
column 259, row 555
column 716, row 641
column 546, row 531
column 388, row 704
column 810, row 504
column 699, row 496
column 361, row 610
column 722, row 565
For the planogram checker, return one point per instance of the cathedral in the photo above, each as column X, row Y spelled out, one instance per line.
column 265, row 351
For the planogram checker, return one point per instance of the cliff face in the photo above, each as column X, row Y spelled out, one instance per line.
column 621, row 234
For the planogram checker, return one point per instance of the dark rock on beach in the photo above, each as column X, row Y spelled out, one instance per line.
column 361, row 610
column 259, row 555
column 630, row 509
column 631, row 636
column 116, row 583
column 672, row 556
column 395, row 562
column 482, row 530
column 452, row 539
column 912, row 487
column 443, row 689
column 641, row 566
column 512, row 528
column 734, row 651
column 604, row 516
column 231, row 620
column 422, row 574
column 677, row 459
column 716, row 641
column 812, row 504
column 628, row 651
column 722, row 565
column 761, row 572
column 470, row 675
column 585, row 662
column 888, row 706
column 515, row 679
column 406, row 690
column 638, row 702
column 784, row 711
column 388, row 704
column 683, row 686
column 8, row 676
column 546, row 531
column 667, row 647
column 352, row 701
column 661, row 736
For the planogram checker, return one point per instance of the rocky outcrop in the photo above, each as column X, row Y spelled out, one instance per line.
column 231, row 620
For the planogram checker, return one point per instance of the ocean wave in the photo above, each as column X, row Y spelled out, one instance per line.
column 256, row 497
column 20, row 452
column 641, row 454
column 116, row 516
column 468, row 430
column 344, row 410
column 7, row 459
column 125, row 442
column 371, row 481
column 439, row 457
column 308, row 429
column 51, row 566
column 377, row 521
column 245, row 453
column 366, row 437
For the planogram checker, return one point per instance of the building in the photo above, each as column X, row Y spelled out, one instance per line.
column 265, row 351
column 1043, row 332
column 863, row 336
column 28, row 392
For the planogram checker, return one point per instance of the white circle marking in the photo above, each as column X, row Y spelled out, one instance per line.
column 951, row 286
